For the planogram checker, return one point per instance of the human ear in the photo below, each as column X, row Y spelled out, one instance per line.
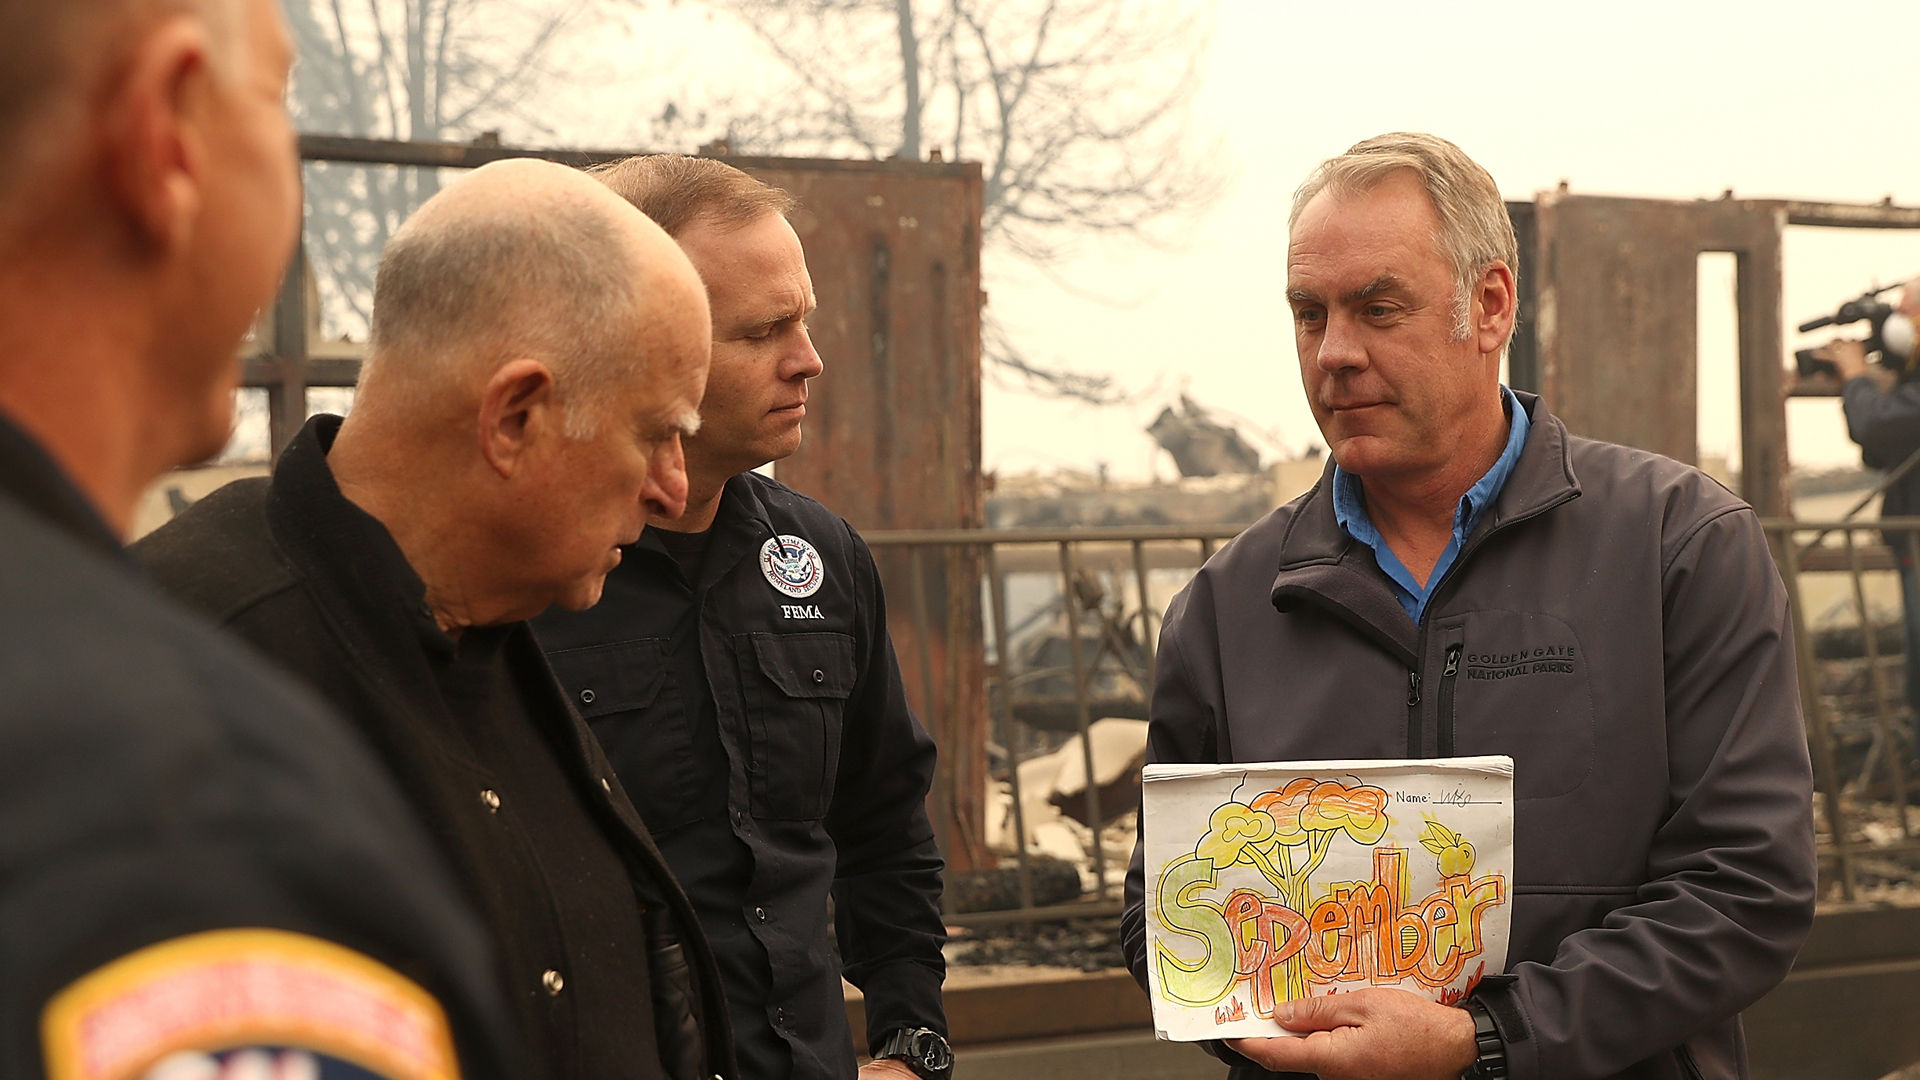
column 1497, row 301
column 158, row 123
column 517, row 411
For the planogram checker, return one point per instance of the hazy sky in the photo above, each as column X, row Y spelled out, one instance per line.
column 1671, row 99
column 1675, row 99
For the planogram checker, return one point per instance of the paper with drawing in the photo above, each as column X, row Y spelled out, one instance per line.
column 1275, row 881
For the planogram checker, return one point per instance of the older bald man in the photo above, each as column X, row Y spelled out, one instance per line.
column 538, row 349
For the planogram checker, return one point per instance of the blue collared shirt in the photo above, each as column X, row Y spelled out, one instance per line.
column 1350, row 510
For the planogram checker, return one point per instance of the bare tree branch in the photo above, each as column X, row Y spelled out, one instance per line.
column 1077, row 109
column 405, row 69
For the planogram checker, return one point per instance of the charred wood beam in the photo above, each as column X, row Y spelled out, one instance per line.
column 270, row 372
column 341, row 148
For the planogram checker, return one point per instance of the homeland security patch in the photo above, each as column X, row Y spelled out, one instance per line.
column 225, row 1002
column 792, row 566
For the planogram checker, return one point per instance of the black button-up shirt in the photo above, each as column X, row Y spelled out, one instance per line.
column 509, row 779
column 592, row 964
column 756, row 717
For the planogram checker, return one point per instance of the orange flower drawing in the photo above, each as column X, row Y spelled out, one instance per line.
column 1286, row 806
column 1360, row 811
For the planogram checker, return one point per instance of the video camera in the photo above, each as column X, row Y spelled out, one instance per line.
column 1875, row 312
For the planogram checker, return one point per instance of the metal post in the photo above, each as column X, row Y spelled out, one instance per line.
column 1912, row 537
column 1003, row 711
column 287, row 398
column 1081, row 711
column 1826, row 774
column 942, row 782
column 1149, row 638
column 1878, row 680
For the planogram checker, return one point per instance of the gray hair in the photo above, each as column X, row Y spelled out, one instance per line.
column 482, row 289
column 1475, row 231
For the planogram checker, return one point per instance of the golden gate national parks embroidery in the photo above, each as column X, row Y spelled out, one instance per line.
column 1274, row 882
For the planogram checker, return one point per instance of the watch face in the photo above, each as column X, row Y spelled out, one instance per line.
column 935, row 1055
column 928, row 1053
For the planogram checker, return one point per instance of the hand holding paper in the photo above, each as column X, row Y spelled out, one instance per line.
column 1372, row 1034
column 1275, row 885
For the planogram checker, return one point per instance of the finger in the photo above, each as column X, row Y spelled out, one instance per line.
column 1304, row 1054
column 1321, row 1013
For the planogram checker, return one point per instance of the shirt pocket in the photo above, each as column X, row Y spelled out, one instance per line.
column 625, row 692
column 1522, row 690
column 796, row 688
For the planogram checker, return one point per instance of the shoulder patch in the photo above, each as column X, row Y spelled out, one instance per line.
column 229, row 989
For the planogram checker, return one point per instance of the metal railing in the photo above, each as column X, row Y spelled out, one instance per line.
column 1109, row 588
column 1859, row 729
column 1087, row 566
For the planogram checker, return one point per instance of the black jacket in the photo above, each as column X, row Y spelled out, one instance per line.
column 274, row 562
column 766, row 737
column 158, row 780
column 1664, row 871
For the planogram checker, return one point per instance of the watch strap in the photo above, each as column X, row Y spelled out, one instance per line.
column 1490, row 1052
column 923, row 1050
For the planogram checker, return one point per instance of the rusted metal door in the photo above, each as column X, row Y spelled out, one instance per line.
column 1615, row 329
column 893, row 427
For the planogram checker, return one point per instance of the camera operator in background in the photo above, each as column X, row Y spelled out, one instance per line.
column 1882, row 406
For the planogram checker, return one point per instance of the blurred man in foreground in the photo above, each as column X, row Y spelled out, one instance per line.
column 740, row 675
column 538, row 349
column 1664, row 872
column 197, row 859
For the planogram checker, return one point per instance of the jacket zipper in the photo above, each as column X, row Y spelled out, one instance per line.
column 1413, row 710
column 1453, row 652
column 1447, row 677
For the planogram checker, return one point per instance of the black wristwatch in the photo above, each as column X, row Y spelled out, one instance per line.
column 1490, row 1058
column 923, row 1051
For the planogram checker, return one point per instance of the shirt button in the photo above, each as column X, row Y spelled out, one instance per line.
column 780, row 1017
column 819, row 676
column 587, row 696
column 491, row 798
column 553, row 982
column 760, row 913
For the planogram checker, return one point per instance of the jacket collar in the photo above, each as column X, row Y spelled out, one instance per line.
column 355, row 571
column 739, row 528
column 1323, row 566
column 31, row 477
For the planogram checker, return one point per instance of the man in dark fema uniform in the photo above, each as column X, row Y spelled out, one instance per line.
column 538, row 347
column 740, row 676
column 1663, row 860
column 202, row 870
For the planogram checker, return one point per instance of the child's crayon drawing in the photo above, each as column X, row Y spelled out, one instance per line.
column 1270, row 883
